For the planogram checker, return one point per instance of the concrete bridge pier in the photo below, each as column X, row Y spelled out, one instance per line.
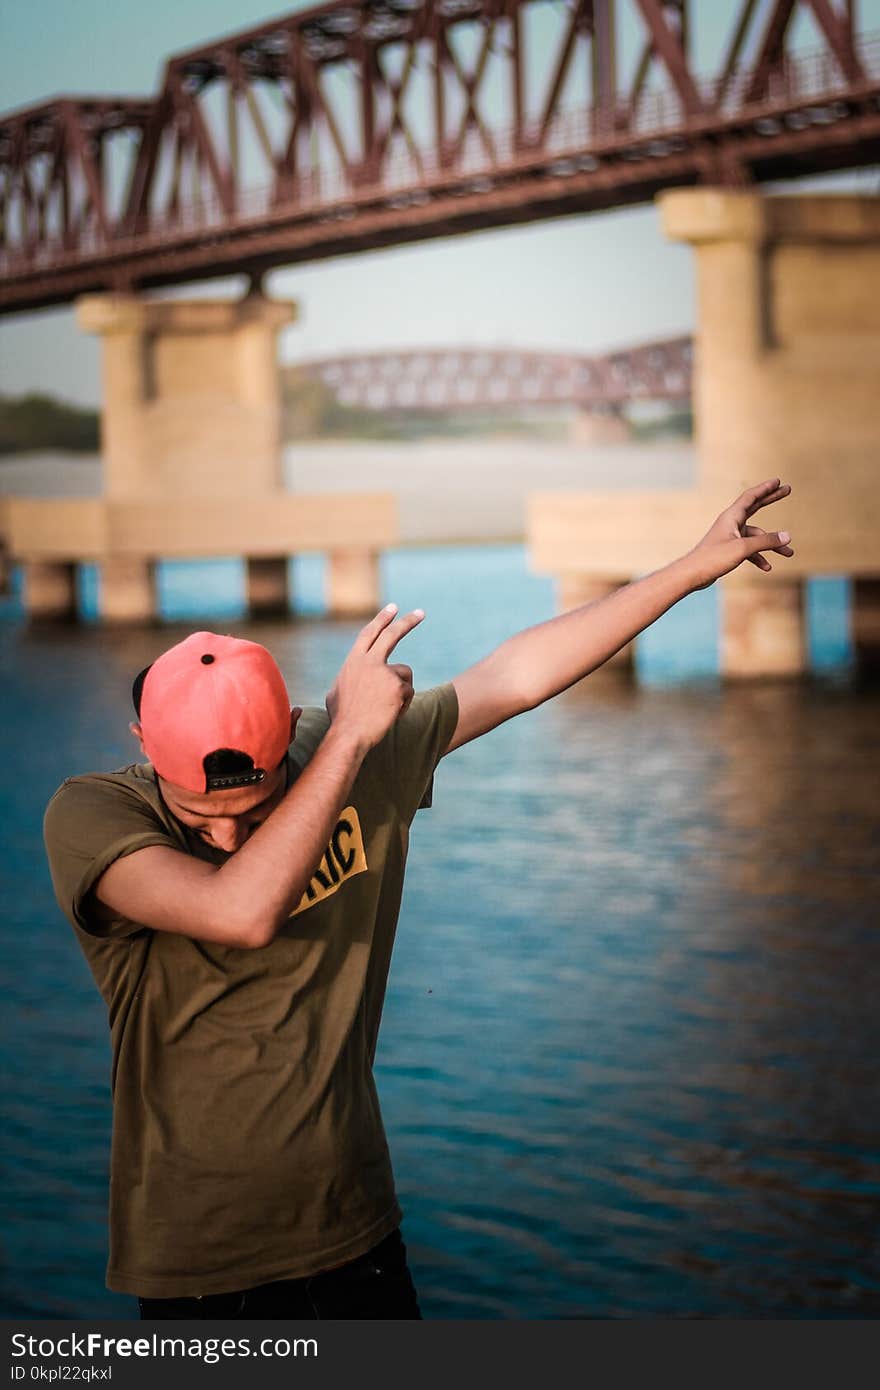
column 787, row 360
column 787, row 364
column 191, row 414
column 191, row 396
column 191, row 441
column 267, row 586
column 127, row 590
column 353, row 583
column 763, row 629
column 866, row 624
column 50, row 590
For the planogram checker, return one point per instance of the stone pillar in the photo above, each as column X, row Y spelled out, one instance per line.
column 267, row 586
column 260, row 321
column 128, row 590
column 786, row 366
column 50, row 589
column 866, row 623
column 574, row 589
column 353, row 583
column 735, row 424
column 192, row 395
column 125, row 388
column 763, row 626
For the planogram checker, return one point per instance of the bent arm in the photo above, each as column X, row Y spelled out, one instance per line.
column 246, row 900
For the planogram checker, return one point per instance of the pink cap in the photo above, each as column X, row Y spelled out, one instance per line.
column 210, row 693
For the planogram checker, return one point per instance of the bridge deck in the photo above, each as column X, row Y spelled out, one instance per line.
column 308, row 138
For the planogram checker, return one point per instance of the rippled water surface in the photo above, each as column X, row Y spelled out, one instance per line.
column 629, row 1058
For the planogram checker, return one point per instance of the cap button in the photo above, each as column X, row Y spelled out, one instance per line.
column 207, row 659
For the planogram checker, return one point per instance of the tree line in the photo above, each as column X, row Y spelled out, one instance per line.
column 37, row 421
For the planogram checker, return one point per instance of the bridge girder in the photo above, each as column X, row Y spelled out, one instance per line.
column 363, row 123
column 456, row 379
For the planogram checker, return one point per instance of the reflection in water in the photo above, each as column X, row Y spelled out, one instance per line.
column 629, row 1054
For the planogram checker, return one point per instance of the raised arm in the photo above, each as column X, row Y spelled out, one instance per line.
column 538, row 663
column 244, row 901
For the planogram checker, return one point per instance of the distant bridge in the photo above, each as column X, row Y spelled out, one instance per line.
column 445, row 379
column 366, row 123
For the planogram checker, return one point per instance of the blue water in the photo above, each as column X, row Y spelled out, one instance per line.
column 681, row 645
column 629, row 1057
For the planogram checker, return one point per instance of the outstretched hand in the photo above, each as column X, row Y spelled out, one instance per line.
column 370, row 693
column 730, row 539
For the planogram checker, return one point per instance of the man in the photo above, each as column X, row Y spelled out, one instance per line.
column 236, row 897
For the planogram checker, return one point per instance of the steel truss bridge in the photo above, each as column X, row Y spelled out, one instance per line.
column 365, row 123
column 455, row 379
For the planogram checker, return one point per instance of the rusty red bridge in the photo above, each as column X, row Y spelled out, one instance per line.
column 455, row 379
column 364, row 123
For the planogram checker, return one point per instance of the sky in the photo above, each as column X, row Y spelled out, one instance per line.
column 583, row 283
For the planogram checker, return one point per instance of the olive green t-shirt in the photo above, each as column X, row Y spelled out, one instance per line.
column 247, row 1142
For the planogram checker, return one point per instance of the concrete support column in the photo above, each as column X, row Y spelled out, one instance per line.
column 763, row 627
column 267, row 586
column 866, row 623
column 353, row 583
column 574, row 589
column 50, row 589
column 128, row 591
column 785, row 385
column 192, row 395
column 737, row 431
column 127, row 387
column 260, row 321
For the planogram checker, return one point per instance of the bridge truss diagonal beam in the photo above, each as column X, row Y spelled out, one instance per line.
column 366, row 123
column 464, row 379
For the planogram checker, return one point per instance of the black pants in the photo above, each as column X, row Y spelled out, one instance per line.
column 375, row 1285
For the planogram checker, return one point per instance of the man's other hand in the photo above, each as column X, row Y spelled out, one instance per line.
column 369, row 693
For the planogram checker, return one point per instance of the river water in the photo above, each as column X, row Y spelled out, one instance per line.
column 629, row 1058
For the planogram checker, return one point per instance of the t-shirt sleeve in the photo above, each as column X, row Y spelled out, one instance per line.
column 418, row 741
column 90, row 822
